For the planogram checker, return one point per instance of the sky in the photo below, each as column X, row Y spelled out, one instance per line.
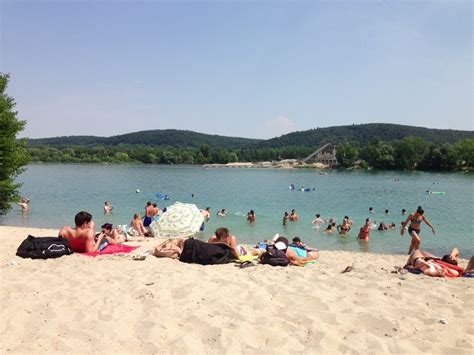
column 256, row 69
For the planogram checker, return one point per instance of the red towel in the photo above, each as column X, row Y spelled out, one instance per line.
column 111, row 249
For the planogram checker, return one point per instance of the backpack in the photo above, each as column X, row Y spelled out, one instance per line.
column 274, row 257
column 43, row 247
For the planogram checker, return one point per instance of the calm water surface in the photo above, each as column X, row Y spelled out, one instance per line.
column 58, row 192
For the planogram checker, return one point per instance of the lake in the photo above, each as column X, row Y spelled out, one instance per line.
column 58, row 192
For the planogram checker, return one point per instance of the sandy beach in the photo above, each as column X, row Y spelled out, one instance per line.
column 112, row 303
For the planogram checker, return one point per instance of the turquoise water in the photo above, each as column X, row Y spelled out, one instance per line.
column 58, row 192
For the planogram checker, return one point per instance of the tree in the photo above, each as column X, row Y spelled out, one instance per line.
column 13, row 154
column 410, row 151
column 347, row 154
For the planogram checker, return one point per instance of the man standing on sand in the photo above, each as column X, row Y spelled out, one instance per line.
column 81, row 238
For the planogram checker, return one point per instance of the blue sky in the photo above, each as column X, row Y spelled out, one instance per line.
column 236, row 68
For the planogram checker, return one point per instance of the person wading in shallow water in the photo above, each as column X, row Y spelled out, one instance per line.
column 415, row 220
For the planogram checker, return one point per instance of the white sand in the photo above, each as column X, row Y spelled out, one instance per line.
column 114, row 304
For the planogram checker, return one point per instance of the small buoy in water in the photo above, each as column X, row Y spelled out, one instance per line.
column 137, row 191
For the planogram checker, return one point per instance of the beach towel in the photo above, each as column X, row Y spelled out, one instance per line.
column 199, row 252
column 303, row 263
column 111, row 249
column 450, row 270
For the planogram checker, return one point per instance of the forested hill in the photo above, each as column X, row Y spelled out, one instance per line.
column 359, row 134
column 155, row 138
column 363, row 134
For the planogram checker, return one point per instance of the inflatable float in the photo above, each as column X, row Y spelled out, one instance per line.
column 161, row 196
column 436, row 192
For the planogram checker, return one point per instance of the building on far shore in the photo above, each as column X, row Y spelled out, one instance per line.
column 325, row 155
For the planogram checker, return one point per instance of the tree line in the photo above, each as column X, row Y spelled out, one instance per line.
column 409, row 153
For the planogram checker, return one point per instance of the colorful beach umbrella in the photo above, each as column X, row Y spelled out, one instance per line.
column 179, row 220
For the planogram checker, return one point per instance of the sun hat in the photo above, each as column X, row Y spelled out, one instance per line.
column 281, row 243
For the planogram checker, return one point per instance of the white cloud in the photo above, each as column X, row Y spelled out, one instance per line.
column 277, row 126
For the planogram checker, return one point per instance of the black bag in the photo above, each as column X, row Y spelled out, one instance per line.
column 199, row 252
column 274, row 257
column 44, row 247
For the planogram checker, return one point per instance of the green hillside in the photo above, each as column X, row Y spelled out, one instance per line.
column 154, row 138
column 379, row 146
column 363, row 134
column 359, row 134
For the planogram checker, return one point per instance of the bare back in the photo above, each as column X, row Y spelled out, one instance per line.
column 80, row 240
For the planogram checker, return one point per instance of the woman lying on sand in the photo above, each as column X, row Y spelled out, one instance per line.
column 424, row 261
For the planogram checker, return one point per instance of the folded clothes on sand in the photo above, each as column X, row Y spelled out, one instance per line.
column 111, row 249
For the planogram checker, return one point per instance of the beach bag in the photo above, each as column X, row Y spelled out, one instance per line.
column 43, row 247
column 274, row 257
column 170, row 248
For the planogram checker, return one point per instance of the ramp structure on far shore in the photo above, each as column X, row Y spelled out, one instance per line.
column 325, row 154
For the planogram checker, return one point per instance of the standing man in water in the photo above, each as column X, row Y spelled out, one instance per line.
column 24, row 204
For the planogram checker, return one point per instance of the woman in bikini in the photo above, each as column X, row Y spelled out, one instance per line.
column 415, row 220
column 424, row 261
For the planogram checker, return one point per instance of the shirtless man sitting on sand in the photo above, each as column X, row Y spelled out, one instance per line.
column 222, row 235
column 81, row 238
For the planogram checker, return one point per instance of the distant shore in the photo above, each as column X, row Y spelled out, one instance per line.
column 282, row 164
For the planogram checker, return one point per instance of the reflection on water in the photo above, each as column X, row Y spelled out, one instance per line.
column 363, row 245
column 24, row 217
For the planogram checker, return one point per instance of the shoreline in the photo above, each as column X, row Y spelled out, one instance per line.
column 53, row 232
column 112, row 303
